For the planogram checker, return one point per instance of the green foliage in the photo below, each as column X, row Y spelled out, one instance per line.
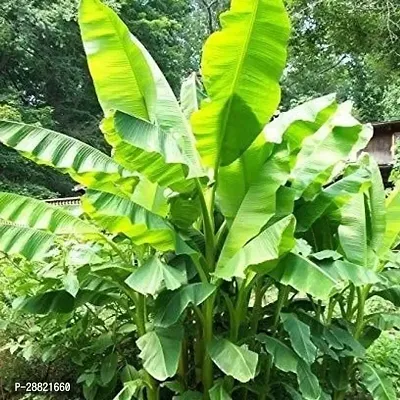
column 150, row 302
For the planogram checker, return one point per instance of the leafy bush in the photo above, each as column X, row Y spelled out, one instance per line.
column 245, row 250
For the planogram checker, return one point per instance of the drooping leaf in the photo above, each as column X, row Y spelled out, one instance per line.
column 391, row 294
column 375, row 381
column 337, row 194
column 269, row 245
column 233, row 360
column 30, row 243
column 71, row 283
column 241, row 66
column 58, row 301
column 287, row 360
column 299, row 334
column 83, row 163
column 384, row 321
column 336, row 141
column 32, row 213
column 120, row 215
column 344, row 271
column 153, row 151
column 130, row 390
column 160, row 351
column 109, row 368
column 304, row 275
column 153, row 275
column 171, row 305
column 300, row 122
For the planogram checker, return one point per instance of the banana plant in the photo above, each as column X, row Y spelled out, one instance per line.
column 225, row 204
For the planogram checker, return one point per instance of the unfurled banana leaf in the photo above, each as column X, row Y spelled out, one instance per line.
column 287, row 360
column 25, row 211
column 241, row 67
column 171, row 305
column 234, row 360
column 30, row 243
column 258, row 205
column 120, row 215
column 115, row 62
column 391, row 237
column 160, row 350
column 268, row 246
column 304, row 275
column 154, row 275
column 338, row 194
column 149, row 149
column 83, row 163
column 247, row 188
column 338, row 140
column 300, row 122
column 166, row 142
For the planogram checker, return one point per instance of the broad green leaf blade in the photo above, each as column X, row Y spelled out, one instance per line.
column 299, row 334
column 233, row 360
column 283, row 357
column 352, row 231
column 339, row 139
column 109, row 368
column 32, row 213
column 154, row 275
column 286, row 360
column 269, row 245
column 375, row 381
column 71, row 283
column 149, row 149
column 115, row 62
column 120, row 215
column 345, row 272
column 30, row 243
column 83, row 163
column 218, row 392
column 160, row 351
column 241, row 66
column 130, row 389
column 300, row 122
column 338, row 194
column 304, row 275
column 171, row 305
column 189, row 95
column 384, row 321
column 58, row 301
column 258, row 205
column 391, row 294
column 392, row 220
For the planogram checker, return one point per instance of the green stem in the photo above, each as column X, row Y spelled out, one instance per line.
column 241, row 306
column 208, row 373
column 257, row 308
column 350, row 301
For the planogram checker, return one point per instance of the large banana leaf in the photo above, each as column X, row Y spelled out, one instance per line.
column 301, row 121
column 148, row 148
column 338, row 194
column 376, row 382
column 257, row 206
column 120, row 215
column 30, row 243
column 189, row 95
column 241, row 66
column 268, row 246
column 115, row 62
column 338, row 140
column 82, row 162
column 24, row 211
column 246, row 188
column 160, row 350
column 353, row 235
column 392, row 220
column 304, row 275
column 117, row 59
